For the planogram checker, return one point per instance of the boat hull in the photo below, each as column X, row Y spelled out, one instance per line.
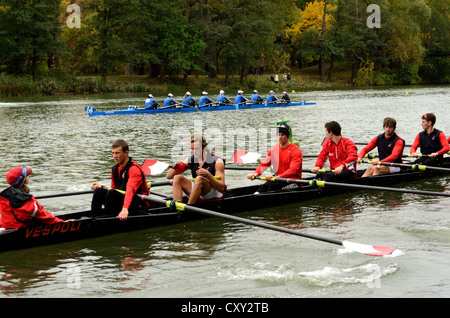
column 136, row 111
column 236, row 200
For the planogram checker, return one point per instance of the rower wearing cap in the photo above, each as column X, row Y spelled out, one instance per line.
column 222, row 99
column 151, row 103
column 432, row 142
column 271, row 98
column 341, row 153
column 207, row 169
column 240, row 99
column 205, row 100
column 390, row 149
column 255, row 98
column 19, row 208
column 169, row 102
column 285, row 98
column 286, row 159
column 188, row 100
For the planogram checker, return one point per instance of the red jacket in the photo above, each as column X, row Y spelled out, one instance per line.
column 342, row 153
column 18, row 208
column 286, row 162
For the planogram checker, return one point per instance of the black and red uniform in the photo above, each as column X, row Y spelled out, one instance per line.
column 132, row 180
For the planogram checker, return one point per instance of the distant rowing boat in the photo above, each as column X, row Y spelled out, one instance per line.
column 132, row 110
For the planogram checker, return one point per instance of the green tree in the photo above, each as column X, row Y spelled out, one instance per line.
column 30, row 31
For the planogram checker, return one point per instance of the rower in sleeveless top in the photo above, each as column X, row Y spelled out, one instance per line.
column 390, row 149
column 205, row 167
column 432, row 142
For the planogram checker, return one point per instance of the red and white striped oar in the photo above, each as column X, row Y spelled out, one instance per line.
column 153, row 167
column 368, row 249
column 243, row 157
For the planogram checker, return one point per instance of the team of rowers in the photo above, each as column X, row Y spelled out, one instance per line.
column 18, row 207
column 189, row 101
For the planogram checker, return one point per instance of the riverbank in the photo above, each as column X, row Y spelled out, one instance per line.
column 302, row 80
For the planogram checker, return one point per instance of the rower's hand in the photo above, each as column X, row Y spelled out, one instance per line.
column 203, row 172
column 96, row 185
column 123, row 215
column 414, row 154
column 269, row 177
column 433, row 155
column 338, row 170
column 315, row 169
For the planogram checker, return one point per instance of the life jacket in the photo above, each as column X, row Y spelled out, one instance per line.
column 120, row 181
column 430, row 143
column 385, row 147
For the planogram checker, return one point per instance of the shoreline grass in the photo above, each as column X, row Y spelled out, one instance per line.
column 302, row 80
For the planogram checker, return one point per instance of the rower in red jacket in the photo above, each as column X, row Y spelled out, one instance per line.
column 18, row 208
column 341, row 153
column 432, row 142
column 127, row 179
column 390, row 149
column 286, row 159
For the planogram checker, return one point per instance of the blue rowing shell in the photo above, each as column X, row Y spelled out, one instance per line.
column 133, row 110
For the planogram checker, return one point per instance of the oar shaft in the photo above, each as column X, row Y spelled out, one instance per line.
column 63, row 194
column 320, row 183
column 184, row 207
column 413, row 166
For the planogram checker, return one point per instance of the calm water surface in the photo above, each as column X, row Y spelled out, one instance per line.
column 215, row 258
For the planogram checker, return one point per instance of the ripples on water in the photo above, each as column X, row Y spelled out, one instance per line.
column 214, row 258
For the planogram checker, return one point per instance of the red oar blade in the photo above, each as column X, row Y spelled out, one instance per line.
column 368, row 249
column 154, row 167
column 242, row 157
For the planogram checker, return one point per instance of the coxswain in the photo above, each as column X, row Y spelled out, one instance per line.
column 341, row 153
column 390, row 149
column 286, row 159
column 170, row 102
column 255, row 98
column 127, row 180
column 271, row 98
column 240, row 99
column 151, row 103
column 432, row 142
column 189, row 101
column 222, row 99
column 207, row 169
column 205, row 100
column 19, row 208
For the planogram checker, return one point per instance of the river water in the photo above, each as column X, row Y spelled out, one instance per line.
column 214, row 258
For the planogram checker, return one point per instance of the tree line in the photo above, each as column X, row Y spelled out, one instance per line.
column 163, row 38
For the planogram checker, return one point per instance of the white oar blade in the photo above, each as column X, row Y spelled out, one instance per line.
column 368, row 249
column 242, row 157
column 153, row 167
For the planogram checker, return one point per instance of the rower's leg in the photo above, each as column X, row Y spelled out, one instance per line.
column 201, row 187
column 180, row 184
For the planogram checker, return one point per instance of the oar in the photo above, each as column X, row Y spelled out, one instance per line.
column 356, row 247
column 413, row 166
column 243, row 156
column 365, row 143
column 320, row 183
column 374, row 155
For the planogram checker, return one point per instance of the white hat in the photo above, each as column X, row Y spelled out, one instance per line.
column 255, row 91
column 204, row 93
column 150, row 95
column 271, row 92
column 240, row 92
column 187, row 93
column 170, row 95
column 222, row 91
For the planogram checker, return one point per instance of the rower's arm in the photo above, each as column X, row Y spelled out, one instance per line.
column 218, row 183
